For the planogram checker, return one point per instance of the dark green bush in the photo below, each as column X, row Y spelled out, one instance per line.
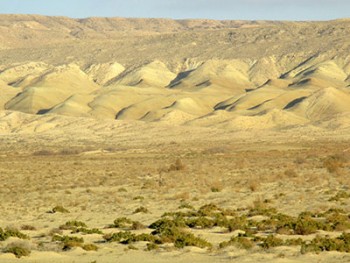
column 239, row 242
column 188, row 239
column 68, row 242
column 11, row 232
column 70, row 225
column 319, row 244
column 90, row 247
column 121, row 237
column 18, row 250
column 141, row 209
column 271, row 241
column 87, row 231
column 200, row 222
column 237, row 223
column 151, row 246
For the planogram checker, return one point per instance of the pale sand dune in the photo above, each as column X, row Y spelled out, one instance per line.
column 76, row 105
column 105, row 72
column 273, row 119
column 154, row 74
column 50, row 89
column 139, row 110
column 255, row 98
column 226, row 74
column 214, row 85
column 88, row 67
column 111, row 100
column 323, row 103
column 328, row 70
column 21, row 75
column 7, row 93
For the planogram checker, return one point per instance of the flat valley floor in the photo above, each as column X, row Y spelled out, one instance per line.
column 69, row 196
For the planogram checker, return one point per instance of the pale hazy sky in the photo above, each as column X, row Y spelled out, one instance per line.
column 216, row 9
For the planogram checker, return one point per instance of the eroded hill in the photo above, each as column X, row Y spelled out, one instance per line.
column 227, row 74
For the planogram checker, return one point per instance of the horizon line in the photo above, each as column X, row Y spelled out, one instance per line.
column 176, row 19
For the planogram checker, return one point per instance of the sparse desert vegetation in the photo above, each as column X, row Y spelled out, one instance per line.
column 265, row 200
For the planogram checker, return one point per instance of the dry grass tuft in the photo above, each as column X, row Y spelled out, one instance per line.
column 334, row 163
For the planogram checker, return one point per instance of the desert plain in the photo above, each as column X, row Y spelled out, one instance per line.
column 156, row 140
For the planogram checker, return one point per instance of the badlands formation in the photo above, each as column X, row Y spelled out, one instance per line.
column 224, row 74
column 237, row 130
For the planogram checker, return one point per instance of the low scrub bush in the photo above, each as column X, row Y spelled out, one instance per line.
column 18, row 249
column 11, row 232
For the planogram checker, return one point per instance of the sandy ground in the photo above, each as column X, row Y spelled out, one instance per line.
column 111, row 175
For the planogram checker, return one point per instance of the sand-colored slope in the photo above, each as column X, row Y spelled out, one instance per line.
column 264, row 69
column 67, row 90
column 255, row 98
column 52, row 88
column 6, row 94
column 127, row 102
column 76, row 105
column 214, row 73
column 268, row 120
column 322, row 104
column 154, row 74
column 191, row 72
column 21, row 75
column 103, row 73
column 179, row 111
column 273, row 119
column 329, row 70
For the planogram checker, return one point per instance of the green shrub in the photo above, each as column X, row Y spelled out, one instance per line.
column 90, row 247
column 136, row 225
column 215, row 189
column 87, row 231
column 28, row 227
column 125, row 223
column 337, row 220
column 339, row 196
column 18, row 250
column 141, row 209
column 307, row 226
column 293, row 242
column 121, row 237
column 68, row 242
column 239, row 242
column 71, row 225
column 122, row 222
column 272, row 241
column 188, row 239
column 200, row 222
column 165, row 223
column 319, row 244
column 237, row 223
column 132, row 247
column 145, row 237
column 151, row 246
column 138, row 198
column 11, row 232
column 184, row 205
column 261, row 209
column 209, row 210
